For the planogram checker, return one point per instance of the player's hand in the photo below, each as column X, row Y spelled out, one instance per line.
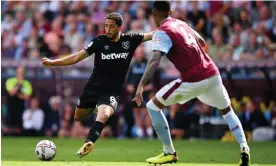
column 139, row 95
column 46, row 62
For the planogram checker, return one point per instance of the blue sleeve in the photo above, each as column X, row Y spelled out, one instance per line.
column 161, row 42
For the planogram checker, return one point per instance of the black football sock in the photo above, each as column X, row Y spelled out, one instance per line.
column 95, row 132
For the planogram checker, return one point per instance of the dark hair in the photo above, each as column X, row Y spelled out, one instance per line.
column 116, row 17
column 162, row 6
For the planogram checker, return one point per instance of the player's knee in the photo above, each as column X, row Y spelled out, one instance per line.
column 105, row 112
column 151, row 106
column 225, row 110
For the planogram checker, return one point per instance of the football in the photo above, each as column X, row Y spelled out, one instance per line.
column 45, row 150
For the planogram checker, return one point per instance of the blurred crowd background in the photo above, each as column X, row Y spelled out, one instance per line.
column 39, row 101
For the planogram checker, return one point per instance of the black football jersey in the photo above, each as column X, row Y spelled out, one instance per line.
column 112, row 59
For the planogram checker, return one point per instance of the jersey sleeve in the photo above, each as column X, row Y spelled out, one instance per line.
column 91, row 47
column 136, row 38
column 161, row 42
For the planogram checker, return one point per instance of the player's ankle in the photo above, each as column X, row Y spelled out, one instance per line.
column 88, row 141
column 168, row 149
column 244, row 147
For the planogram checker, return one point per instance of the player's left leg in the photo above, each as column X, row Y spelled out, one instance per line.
column 217, row 96
column 174, row 92
column 237, row 130
column 104, row 113
column 106, row 106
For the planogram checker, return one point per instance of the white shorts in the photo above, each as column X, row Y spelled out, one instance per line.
column 210, row 91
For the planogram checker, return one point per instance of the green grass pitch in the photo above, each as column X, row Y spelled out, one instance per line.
column 112, row 152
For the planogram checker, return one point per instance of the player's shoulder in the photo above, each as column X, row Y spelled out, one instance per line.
column 130, row 35
column 160, row 33
column 101, row 38
column 172, row 21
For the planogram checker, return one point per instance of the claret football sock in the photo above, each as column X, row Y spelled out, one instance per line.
column 95, row 132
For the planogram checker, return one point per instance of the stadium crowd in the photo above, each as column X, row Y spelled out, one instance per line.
column 234, row 30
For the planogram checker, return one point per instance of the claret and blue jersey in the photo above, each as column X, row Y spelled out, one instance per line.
column 177, row 40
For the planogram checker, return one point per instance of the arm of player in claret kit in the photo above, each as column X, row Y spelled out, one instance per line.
column 150, row 70
column 65, row 61
column 148, row 36
column 152, row 65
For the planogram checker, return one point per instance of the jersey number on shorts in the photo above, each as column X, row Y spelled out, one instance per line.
column 189, row 39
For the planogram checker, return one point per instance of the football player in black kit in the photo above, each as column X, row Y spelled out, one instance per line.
column 113, row 53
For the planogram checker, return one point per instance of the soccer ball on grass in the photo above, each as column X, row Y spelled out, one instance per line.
column 45, row 150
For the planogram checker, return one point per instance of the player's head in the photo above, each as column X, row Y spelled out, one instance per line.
column 113, row 23
column 161, row 10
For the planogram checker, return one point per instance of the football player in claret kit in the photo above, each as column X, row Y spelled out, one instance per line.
column 199, row 78
column 112, row 56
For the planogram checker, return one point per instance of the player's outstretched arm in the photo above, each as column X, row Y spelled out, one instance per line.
column 150, row 70
column 68, row 60
column 151, row 67
column 201, row 40
column 148, row 36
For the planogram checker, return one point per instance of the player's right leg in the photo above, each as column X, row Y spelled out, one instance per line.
column 80, row 113
column 175, row 92
column 164, row 97
column 161, row 127
column 217, row 96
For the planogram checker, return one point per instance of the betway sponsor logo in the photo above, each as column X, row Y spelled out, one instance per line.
column 115, row 56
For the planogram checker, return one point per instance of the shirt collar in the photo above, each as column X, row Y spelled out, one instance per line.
column 165, row 20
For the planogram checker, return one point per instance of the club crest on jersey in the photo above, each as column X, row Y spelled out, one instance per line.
column 126, row 45
column 106, row 47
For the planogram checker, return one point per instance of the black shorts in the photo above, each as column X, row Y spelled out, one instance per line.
column 94, row 96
